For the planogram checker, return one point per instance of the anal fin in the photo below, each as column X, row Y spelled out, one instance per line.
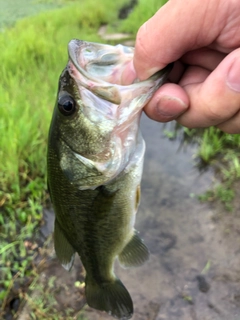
column 135, row 253
column 63, row 248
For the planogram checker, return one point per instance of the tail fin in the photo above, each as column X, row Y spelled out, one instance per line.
column 111, row 297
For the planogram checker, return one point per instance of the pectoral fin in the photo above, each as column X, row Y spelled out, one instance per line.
column 63, row 248
column 135, row 252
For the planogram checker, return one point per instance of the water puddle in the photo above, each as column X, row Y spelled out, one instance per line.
column 194, row 269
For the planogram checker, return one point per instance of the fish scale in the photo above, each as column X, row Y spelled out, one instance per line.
column 95, row 159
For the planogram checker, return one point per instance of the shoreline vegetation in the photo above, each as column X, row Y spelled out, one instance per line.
column 35, row 52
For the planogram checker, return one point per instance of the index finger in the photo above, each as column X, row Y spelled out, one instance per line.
column 178, row 27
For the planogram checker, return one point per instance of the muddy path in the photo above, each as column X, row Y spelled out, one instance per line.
column 194, row 269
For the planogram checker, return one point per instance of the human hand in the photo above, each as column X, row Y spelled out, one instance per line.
column 203, row 37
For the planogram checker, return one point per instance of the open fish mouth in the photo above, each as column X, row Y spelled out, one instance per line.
column 111, row 109
column 98, row 68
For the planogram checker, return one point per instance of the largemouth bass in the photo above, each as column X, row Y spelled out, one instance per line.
column 95, row 159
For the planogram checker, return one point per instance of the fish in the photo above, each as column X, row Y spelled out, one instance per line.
column 94, row 168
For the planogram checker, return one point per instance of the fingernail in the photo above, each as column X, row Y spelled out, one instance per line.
column 170, row 107
column 233, row 77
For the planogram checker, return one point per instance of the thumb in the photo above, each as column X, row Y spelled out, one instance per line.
column 177, row 27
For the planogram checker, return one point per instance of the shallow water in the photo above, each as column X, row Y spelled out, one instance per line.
column 183, row 239
column 13, row 10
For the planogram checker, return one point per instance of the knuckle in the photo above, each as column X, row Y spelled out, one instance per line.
column 214, row 112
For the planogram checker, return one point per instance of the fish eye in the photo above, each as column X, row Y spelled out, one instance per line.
column 67, row 105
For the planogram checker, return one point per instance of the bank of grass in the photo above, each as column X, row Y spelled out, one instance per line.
column 222, row 151
column 33, row 54
column 142, row 12
column 218, row 150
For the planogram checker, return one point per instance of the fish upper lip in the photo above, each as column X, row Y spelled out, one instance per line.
column 105, row 90
column 73, row 48
column 110, row 91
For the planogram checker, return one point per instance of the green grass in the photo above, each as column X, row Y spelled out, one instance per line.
column 222, row 151
column 214, row 143
column 219, row 150
column 221, row 192
column 41, row 302
column 142, row 12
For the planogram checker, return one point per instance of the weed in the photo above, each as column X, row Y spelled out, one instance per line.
column 223, row 152
column 210, row 146
column 188, row 298
column 170, row 134
column 41, row 302
column 218, row 149
column 222, row 192
column 207, row 267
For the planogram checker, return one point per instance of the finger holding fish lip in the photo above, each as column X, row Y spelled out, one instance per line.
column 208, row 93
column 176, row 101
column 170, row 100
column 167, row 103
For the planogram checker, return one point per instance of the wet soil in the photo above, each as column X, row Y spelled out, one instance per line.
column 194, row 268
